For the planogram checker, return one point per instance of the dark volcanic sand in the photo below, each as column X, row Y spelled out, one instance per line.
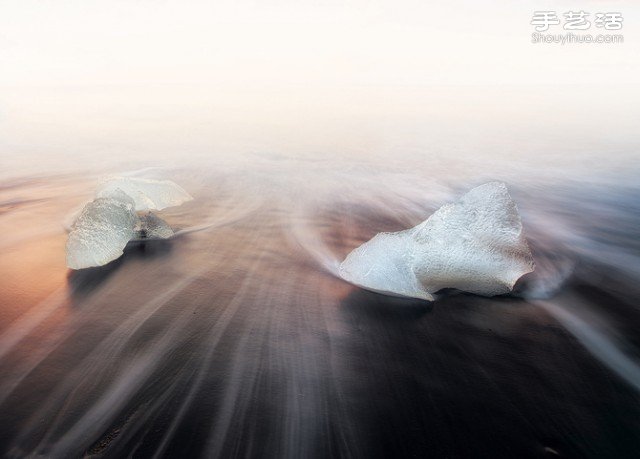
column 234, row 341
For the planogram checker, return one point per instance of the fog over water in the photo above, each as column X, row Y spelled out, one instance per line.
column 302, row 130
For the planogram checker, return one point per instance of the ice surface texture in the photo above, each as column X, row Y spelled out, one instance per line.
column 147, row 194
column 109, row 222
column 150, row 226
column 101, row 232
column 476, row 245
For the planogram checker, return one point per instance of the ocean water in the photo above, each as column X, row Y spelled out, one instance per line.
column 236, row 339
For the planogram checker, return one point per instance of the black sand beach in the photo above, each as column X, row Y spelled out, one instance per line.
column 237, row 341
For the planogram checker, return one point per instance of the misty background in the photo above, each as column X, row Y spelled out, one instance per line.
column 96, row 83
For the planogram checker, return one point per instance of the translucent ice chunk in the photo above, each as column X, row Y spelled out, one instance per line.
column 476, row 245
column 101, row 232
column 147, row 194
column 150, row 226
column 105, row 226
column 384, row 265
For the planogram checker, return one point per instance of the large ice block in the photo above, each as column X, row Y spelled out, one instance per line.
column 476, row 245
column 105, row 225
column 101, row 232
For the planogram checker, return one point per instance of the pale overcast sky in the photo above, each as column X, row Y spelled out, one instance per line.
column 348, row 76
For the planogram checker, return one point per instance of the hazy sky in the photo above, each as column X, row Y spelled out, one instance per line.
column 227, row 77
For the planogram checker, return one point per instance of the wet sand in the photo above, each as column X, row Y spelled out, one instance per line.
column 237, row 341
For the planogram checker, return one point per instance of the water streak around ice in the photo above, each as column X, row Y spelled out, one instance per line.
column 236, row 337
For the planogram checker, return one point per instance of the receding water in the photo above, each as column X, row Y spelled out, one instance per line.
column 236, row 339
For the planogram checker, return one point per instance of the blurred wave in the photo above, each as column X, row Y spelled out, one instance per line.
column 236, row 338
